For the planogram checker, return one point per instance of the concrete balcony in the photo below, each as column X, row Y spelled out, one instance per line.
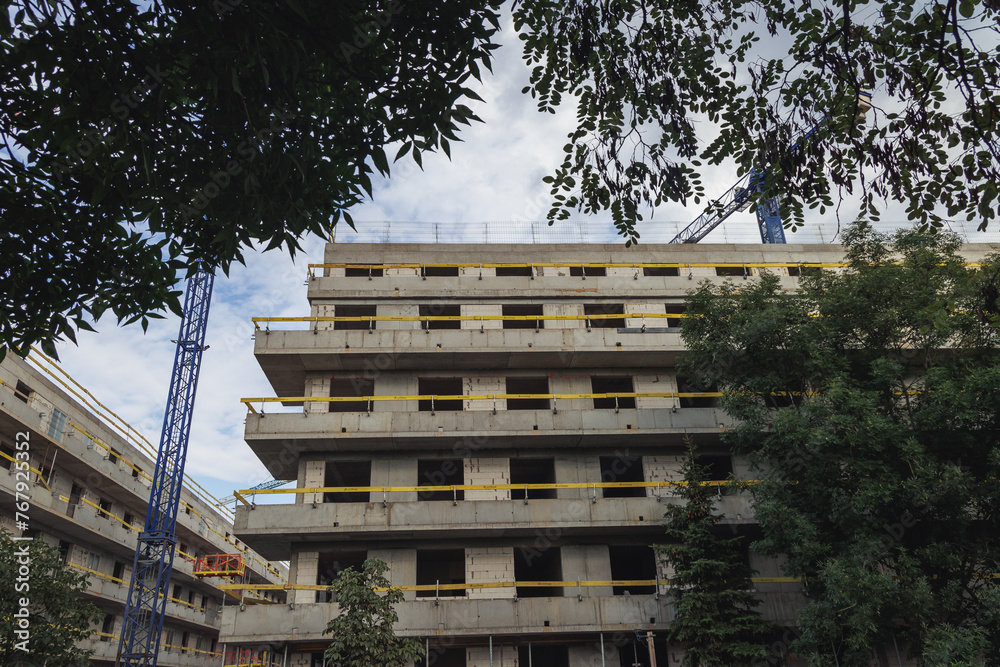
column 271, row 529
column 279, row 438
column 108, row 590
column 106, row 647
column 286, row 356
column 522, row 618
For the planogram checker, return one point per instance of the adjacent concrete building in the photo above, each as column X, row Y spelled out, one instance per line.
column 497, row 424
column 89, row 491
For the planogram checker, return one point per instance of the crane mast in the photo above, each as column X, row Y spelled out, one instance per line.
column 154, row 555
column 739, row 197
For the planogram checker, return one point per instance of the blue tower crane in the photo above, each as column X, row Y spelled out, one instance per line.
column 738, row 197
column 154, row 555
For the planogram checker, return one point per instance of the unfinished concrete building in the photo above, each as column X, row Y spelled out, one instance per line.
column 500, row 424
column 89, row 491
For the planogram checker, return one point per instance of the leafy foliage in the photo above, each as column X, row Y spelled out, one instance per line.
column 142, row 138
column 880, row 466
column 646, row 75
column 711, row 586
column 58, row 617
column 362, row 631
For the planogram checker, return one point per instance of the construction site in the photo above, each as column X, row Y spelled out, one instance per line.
column 505, row 435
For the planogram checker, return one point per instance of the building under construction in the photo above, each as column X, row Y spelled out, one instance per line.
column 503, row 426
column 90, row 475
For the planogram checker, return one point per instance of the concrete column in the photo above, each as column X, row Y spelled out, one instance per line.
column 697, row 272
column 565, row 309
column 487, row 471
column 484, row 386
column 319, row 386
column 323, row 310
column 387, row 384
column 553, row 270
column 586, row 563
column 394, row 472
column 398, row 310
column 662, row 468
column 621, row 271
column 475, row 310
column 650, row 322
column 503, row 656
column 402, row 272
column 489, row 565
column 475, row 271
column 402, row 567
column 655, row 384
column 306, row 572
column 570, row 470
column 314, row 475
column 571, row 384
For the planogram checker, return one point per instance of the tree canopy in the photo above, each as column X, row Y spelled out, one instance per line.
column 58, row 618
column 143, row 138
column 363, row 630
column 869, row 408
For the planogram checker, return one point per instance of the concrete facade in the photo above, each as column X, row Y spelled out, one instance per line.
column 89, row 491
column 551, row 576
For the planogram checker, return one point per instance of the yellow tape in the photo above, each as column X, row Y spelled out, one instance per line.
column 487, row 487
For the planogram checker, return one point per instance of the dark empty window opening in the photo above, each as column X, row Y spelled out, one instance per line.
column 687, row 386
column 177, row 592
column 107, row 627
column 440, row 566
column 441, row 472
column 114, row 455
column 8, row 451
column 613, row 385
column 528, row 385
column 332, row 563
column 63, row 550
column 367, row 312
column 440, row 387
column 350, row 388
column 119, row 570
column 588, row 271
column 135, row 471
column 532, row 471
column 128, row 518
column 531, row 564
column 440, row 271
column 793, row 271
column 362, row 272
column 440, row 310
column 23, row 391
column 506, row 271
column 191, row 597
column 717, row 466
column 533, row 312
column 105, row 506
column 660, row 271
column 441, row 656
column 550, row 655
column 635, row 563
column 348, row 473
column 622, row 468
column 675, row 309
column 634, row 652
column 734, row 271
column 601, row 310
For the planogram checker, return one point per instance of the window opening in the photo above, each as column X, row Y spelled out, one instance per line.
column 660, row 271
column 446, row 566
column 348, row 473
column 604, row 309
column 531, row 564
column 348, row 388
column 439, row 310
column 332, row 563
column 440, row 472
column 353, row 311
column 635, row 563
column 622, row 468
column 440, row 387
column 527, row 385
column 613, row 385
column 523, row 310
column 532, row 471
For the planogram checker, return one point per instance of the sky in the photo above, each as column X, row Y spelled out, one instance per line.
column 495, row 176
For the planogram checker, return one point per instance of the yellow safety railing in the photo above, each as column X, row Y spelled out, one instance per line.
column 502, row 584
column 241, row 495
column 623, row 265
column 267, row 321
column 472, row 397
column 182, row 649
column 39, row 477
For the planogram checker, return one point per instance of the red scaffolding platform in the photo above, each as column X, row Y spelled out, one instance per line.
column 219, row 565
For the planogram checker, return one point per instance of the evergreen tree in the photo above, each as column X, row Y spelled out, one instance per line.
column 711, row 585
column 362, row 631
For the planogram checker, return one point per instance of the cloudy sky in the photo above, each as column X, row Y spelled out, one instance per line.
column 495, row 175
